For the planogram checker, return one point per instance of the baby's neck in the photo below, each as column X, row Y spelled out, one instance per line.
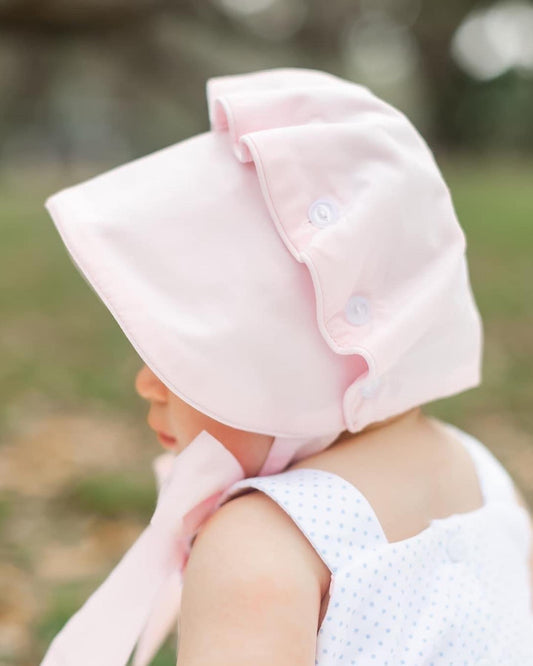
column 391, row 427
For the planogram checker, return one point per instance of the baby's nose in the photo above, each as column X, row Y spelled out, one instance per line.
column 149, row 386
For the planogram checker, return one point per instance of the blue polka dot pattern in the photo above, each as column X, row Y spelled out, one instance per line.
column 456, row 594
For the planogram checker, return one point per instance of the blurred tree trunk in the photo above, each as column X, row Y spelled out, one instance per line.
column 445, row 82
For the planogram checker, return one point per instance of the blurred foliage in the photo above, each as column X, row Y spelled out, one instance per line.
column 111, row 495
column 66, row 600
column 5, row 510
column 91, row 81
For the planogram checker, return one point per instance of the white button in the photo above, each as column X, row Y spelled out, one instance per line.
column 357, row 310
column 370, row 388
column 456, row 548
column 323, row 212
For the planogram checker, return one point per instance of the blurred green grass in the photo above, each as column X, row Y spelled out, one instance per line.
column 112, row 495
column 494, row 202
column 57, row 339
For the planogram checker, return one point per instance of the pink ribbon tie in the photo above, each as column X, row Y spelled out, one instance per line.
column 139, row 601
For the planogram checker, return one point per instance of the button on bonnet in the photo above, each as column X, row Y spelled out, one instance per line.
column 357, row 310
column 370, row 388
column 323, row 212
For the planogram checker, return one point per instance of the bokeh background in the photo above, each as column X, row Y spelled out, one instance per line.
column 88, row 84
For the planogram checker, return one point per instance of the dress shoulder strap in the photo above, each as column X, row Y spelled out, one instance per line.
column 333, row 514
column 496, row 483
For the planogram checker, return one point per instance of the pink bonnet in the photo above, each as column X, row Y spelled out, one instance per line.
column 296, row 270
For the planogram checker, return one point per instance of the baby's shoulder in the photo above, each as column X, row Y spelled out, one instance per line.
column 250, row 573
column 256, row 538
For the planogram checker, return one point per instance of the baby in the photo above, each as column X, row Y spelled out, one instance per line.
column 295, row 282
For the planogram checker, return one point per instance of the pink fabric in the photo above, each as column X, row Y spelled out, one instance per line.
column 209, row 255
column 139, row 602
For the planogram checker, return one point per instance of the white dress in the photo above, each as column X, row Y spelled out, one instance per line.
column 456, row 594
